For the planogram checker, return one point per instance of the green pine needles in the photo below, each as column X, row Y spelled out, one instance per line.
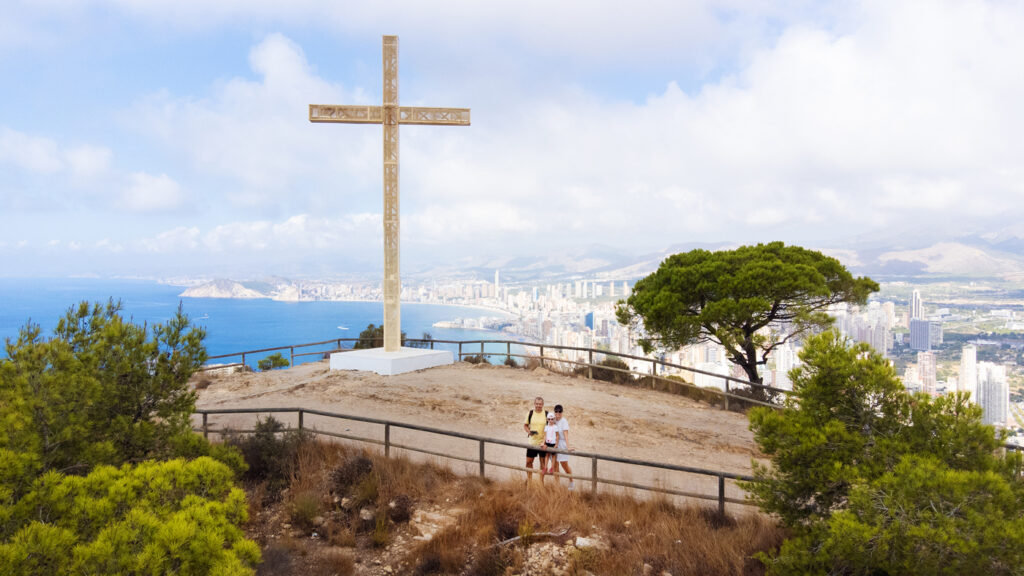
column 870, row 479
column 100, row 472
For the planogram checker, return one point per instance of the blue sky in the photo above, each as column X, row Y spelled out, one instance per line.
column 170, row 138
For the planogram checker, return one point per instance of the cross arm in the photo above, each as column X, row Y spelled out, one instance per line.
column 433, row 116
column 346, row 114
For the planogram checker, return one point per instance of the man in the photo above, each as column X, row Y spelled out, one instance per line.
column 534, row 428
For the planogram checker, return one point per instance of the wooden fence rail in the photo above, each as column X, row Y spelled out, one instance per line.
column 481, row 460
column 726, row 395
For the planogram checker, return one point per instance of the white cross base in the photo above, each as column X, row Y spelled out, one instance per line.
column 390, row 363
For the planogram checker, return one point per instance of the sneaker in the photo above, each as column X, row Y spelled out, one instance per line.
column 572, row 485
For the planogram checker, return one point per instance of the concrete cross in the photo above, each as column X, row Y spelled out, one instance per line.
column 390, row 114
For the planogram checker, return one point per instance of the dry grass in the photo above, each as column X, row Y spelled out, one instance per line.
column 681, row 540
column 650, row 530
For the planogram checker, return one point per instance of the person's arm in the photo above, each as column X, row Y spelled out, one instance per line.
column 526, row 428
column 565, row 436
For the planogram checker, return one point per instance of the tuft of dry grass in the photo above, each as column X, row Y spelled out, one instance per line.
column 654, row 531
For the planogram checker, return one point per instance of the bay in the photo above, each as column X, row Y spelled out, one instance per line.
column 232, row 325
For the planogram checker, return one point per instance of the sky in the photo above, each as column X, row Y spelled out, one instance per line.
column 171, row 137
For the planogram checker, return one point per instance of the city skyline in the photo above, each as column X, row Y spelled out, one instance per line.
column 171, row 138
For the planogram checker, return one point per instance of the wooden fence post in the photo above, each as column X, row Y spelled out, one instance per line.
column 459, row 359
column 593, row 475
column 481, row 458
column 292, row 354
column 590, row 364
column 206, row 431
column 300, row 419
column 721, row 495
column 508, row 352
column 726, row 396
column 387, row 440
column 541, row 356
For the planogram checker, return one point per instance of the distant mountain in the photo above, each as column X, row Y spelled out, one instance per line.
column 999, row 258
column 221, row 289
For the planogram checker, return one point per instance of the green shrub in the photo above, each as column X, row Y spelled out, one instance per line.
column 149, row 518
column 272, row 362
column 303, row 510
column 271, row 453
column 608, row 370
column 380, row 531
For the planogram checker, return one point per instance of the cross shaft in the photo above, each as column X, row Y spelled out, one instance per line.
column 390, row 115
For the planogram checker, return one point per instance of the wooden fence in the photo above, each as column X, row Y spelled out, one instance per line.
column 481, row 460
column 467, row 348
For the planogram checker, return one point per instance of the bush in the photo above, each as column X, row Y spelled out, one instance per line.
column 303, row 510
column 401, row 511
column 511, row 362
column 476, row 359
column 351, row 470
column 373, row 337
column 104, row 391
column 272, row 362
column 608, row 370
column 271, row 453
column 150, row 518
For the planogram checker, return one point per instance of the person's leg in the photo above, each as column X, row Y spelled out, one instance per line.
column 568, row 471
column 529, row 464
column 543, row 466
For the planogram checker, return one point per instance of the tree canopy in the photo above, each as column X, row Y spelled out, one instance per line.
column 100, row 472
column 101, row 390
column 873, row 480
column 750, row 300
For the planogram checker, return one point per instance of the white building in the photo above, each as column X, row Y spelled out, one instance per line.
column 968, row 380
column 993, row 393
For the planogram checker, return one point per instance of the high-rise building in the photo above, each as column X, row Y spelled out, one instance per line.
column 889, row 313
column 920, row 334
column 993, row 393
column 497, row 284
column 934, row 333
column 926, row 371
column 968, row 380
column 916, row 306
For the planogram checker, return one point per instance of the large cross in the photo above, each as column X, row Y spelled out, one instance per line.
column 390, row 114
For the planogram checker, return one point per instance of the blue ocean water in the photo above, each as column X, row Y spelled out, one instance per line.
column 231, row 325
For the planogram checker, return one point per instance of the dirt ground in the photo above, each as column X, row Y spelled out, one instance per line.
column 493, row 401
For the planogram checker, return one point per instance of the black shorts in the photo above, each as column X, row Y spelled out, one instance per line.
column 534, row 452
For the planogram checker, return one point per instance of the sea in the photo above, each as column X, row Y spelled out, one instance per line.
column 232, row 325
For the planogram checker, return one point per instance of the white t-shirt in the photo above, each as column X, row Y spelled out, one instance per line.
column 550, row 433
column 563, row 427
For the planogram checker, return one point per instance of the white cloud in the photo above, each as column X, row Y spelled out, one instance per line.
column 257, row 132
column 809, row 123
column 88, row 162
column 32, row 153
column 178, row 240
column 299, row 233
column 147, row 193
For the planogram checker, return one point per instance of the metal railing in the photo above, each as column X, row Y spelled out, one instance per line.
column 482, row 461
column 727, row 394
